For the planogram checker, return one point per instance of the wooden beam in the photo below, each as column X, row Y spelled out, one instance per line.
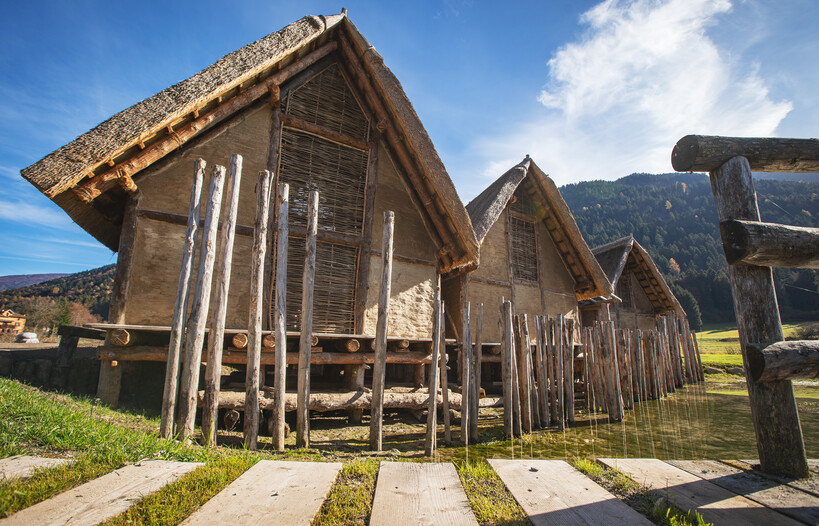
column 93, row 188
column 381, row 330
column 308, row 279
column 705, row 153
column 280, row 316
column 323, row 132
column 769, row 244
column 430, row 442
column 783, row 360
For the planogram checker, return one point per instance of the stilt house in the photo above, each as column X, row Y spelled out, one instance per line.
column 531, row 253
column 314, row 104
column 641, row 294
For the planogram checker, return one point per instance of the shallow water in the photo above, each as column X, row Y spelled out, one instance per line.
column 689, row 424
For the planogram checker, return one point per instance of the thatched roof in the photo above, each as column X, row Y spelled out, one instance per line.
column 627, row 254
column 486, row 208
column 120, row 139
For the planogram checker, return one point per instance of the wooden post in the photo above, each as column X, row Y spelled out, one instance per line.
column 524, row 386
column 477, row 358
column 444, row 380
column 181, row 306
column 379, row 366
column 569, row 366
column 306, row 338
column 560, row 373
column 432, row 421
column 213, row 372
column 542, row 378
column 507, row 350
column 773, row 406
column 280, row 316
column 256, row 309
column 466, row 347
column 195, row 328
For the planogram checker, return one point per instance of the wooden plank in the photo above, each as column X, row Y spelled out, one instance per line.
column 420, row 494
column 785, row 499
column 553, row 492
column 809, row 484
column 104, row 497
column 23, row 466
column 271, row 492
column 689, row 492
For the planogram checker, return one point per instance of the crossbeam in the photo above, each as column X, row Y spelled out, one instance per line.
column 783, row 360
column 769, row 244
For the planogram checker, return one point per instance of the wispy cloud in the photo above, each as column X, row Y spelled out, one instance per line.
column 23, row 212
column 644, row 74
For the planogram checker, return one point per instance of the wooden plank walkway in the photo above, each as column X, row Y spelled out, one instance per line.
column 780, row 497
column 420, row 494
column 23, row 466
column 810, row 485
column 553, row 492
column 104, row 497
column 690, row 492
column 271, row 492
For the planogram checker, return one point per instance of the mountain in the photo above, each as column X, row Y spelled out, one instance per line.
column 22, row 280
column 674, row 217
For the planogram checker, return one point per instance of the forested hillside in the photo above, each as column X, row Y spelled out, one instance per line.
column 23, row 280
column 674, row 218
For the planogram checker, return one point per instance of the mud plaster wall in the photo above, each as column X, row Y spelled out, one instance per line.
column 494, row 260
column 411, row 294
column 158, row 250
column 490, row 295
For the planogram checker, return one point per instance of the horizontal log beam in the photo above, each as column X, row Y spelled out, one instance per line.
column 96, row 185
column 323, row 132
column 769, row 244
column 81, row 332
column 783, row 360
column 706, row 153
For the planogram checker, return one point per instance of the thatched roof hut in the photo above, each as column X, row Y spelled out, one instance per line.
column 640, row 291
column 532, row 252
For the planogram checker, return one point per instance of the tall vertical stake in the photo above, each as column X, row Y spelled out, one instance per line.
column 444, row 381
column 466, row 353
column 280, row 317
column 508, row 349
column 305, row 340
column 432, row 421
column 380, row 363
column 477, row 358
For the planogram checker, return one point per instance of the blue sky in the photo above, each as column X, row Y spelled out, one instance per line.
column 592, row 90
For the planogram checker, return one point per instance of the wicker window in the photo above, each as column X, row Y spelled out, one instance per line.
column 524, row 250
column 623, row 291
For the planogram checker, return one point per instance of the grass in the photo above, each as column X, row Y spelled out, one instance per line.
column 490, row 500
column 351, row 499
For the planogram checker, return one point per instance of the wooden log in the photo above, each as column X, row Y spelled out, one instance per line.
column 213, row 372
column 280, row 316
column 615, row 387
column 256, row 309
column 306, row 339
column 355, row 382
column 353, row 345
column 418, row 373
column 783, row 360
column 773, row 406
column 197, row 320
column 466, row 347
column 507, row 349
column 560, row 373
column 379, row 368
column 239, row 340
column 269, row 341
column 706, row 153
column 324, row 132
column 444, row 380
column 534, row 404
column 119, row 337
column 171, row 388
column 697, row 357
column 432, row 411
column 622, row 361
column 94, row 187
column 477, row 362
column 769, row 244
column 569, row 367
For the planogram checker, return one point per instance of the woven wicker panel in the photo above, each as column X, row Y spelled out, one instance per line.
column 524, row 250
column 337, row 172
column 326, row 100
column 333, row 288
column 523, row 203
column 623, row 291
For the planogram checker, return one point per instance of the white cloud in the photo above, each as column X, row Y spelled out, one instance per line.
column 27, row 213
column 644, row 74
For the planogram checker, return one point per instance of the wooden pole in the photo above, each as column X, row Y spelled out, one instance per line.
column 534, row 404
column 560, row 373
column 251, row 420
column 773, row 406
column 432, row 421
column 477, row 360
column 306, row 338
column 213, row 372
column 569, row 366
column 466, row 347
column 542, row 378
column 507, row 350
column 195, row 328
column 181, row 306
column 379, row 367
column 444, row 380
column 524, row 387
column 280, row 316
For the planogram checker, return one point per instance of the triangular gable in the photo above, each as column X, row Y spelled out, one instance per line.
column 613, row 256
column 527, row 177
column 90, row 176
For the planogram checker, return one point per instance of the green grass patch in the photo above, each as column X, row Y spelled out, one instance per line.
column 723, row 361
column 490, row 500
column 351, row 498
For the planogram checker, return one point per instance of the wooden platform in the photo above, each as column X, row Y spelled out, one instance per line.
column 23, row 466
column 420, row 494
column 553, row 492
column 714, row 502
column 103, row 498
column 271, row 492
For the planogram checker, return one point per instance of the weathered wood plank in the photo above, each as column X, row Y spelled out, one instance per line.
column 553, row 492
column 104, row 497
column 271, row 492
column 809, row 484
column 23, row 466
column 689, row 492
column 419, row 494
column 785, row 499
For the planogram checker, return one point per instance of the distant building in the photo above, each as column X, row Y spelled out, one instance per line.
column 11, row 322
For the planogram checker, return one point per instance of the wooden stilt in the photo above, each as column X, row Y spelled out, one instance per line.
column 476, row 374
column 507, row 352
column 542, row 378
column 569, row 366
column 432, row 421
column 213, row 372
column 444, row 380
column 280, row 316
column 466, row 348
column 306, row 338
column 195, row 327
column 377, row 411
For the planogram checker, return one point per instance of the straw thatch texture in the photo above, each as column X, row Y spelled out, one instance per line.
column 487, row 207
column 613, row 256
